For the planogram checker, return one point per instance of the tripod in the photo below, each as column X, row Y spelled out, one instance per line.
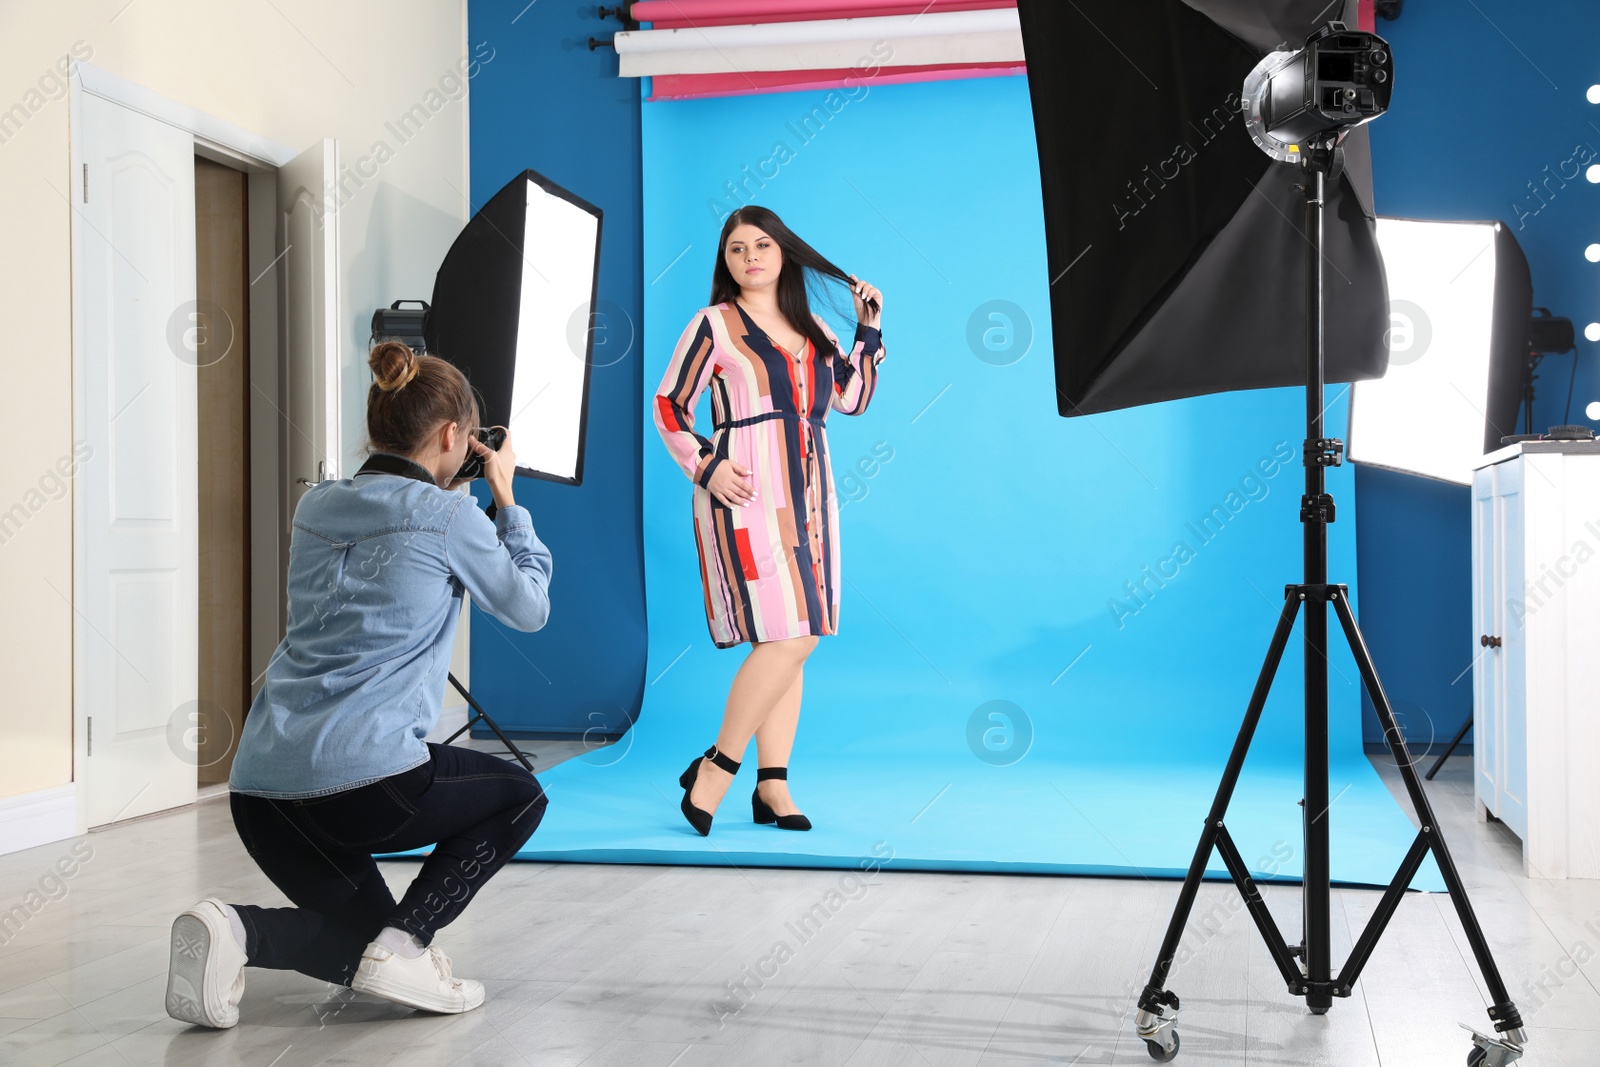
column 1307, row 970
column 479, row 714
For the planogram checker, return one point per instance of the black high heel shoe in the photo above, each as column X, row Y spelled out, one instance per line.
column 763, row 813
column 701, row 820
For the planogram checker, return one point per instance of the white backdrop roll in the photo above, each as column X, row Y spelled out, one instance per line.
column 988, row 36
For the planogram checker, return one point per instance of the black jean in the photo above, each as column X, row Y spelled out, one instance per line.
column 475, row 808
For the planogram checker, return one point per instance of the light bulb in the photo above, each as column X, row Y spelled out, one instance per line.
column 1592, row 253
column 1592, row 331
column 1593, row 410
column 1594, row 94
column 1593, row 173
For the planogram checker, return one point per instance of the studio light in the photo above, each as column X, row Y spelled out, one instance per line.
column 1460, row 302
column 1340, row 79
column 1207, row 283
column 1175, row 259
column 513, row 307
column 397, row 323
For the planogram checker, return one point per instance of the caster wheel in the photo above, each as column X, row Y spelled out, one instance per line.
column 1161, row 1055
column 1476, row 1056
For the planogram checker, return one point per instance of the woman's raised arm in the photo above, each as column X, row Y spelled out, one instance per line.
column 855, row 376
column 501, row 562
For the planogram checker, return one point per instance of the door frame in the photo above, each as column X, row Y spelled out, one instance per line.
column 259, row 158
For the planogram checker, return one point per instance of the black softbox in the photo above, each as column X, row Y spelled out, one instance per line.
column 1176, row 257
column 513, row 307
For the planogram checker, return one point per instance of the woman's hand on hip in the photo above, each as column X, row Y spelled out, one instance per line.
column 499, row 466
column 731, row 483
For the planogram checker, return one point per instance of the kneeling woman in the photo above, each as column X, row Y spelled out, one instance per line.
column 332, row 766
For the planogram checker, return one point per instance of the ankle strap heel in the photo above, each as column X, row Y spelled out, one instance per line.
column 763, row 813
column 701, row 820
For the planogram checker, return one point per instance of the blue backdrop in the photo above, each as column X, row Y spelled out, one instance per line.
column 1049, row 628
column 998, row 543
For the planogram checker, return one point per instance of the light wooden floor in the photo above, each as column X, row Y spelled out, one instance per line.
column 612, row 965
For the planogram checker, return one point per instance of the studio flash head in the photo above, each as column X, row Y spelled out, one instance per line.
column 1339, row 80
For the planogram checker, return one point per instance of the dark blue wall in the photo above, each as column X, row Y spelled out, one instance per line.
column 1489, row 106
column 1414, row 553
column 547, row 102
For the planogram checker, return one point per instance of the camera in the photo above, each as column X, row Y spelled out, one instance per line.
column 494, row 437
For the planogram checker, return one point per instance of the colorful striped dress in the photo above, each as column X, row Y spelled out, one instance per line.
column 770, row 570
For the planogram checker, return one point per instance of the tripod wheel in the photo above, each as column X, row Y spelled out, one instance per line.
column 1476, row 1056
column 1161, row 1055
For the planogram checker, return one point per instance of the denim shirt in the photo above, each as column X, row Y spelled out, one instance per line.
column 377, row 565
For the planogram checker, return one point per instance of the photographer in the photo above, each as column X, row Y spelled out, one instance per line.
column 332, row 766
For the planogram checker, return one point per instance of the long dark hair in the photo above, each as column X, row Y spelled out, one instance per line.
column 802, row 266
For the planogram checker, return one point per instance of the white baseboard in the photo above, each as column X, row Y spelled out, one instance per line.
column 451, row 719
column 49, row 815
column 40, row 818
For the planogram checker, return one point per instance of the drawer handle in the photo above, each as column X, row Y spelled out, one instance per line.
column 1489, row 642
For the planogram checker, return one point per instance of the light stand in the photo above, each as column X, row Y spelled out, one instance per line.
column 478, row 714
column 1547, row 335
column 1308, row 970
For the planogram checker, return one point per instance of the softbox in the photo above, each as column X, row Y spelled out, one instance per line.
column 1176, row 258
column 1460, row 298
column 512, row 307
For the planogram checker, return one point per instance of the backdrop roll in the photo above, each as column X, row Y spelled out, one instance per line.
column 1049, row 628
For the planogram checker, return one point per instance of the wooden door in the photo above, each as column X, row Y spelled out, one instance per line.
column 222, row 348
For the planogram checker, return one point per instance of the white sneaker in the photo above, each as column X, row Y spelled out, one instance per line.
column 423, row 982
column 205, row 976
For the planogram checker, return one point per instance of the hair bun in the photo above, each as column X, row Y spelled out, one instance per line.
column 393, row 365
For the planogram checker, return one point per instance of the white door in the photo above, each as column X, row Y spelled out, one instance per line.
column 308, row 233
column 135, row 632
column 1489, row 714
column 1512, row 743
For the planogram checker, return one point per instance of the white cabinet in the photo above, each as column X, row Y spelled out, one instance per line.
column 1536, row 672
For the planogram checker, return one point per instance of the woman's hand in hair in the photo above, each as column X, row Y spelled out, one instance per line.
column 862, row 292
column 499, row 465
column 732, row 484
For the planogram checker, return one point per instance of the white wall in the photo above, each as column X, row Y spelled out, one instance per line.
column 293, row 71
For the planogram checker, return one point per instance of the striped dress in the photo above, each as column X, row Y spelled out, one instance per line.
column 770, row 570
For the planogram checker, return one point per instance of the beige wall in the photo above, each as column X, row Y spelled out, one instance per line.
column 293, row 71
